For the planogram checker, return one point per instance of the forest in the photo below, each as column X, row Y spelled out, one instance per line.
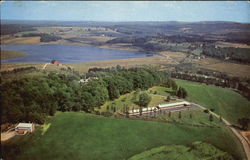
column 32, row 98
column 227, row 53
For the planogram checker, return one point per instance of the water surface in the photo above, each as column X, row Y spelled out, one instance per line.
column 68, row 53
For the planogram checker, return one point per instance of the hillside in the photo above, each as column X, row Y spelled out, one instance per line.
column 76, row 135
column 226, row 102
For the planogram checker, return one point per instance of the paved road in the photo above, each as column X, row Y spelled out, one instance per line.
column 244, row 142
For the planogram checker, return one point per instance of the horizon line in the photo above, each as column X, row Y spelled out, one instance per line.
column 124, row 21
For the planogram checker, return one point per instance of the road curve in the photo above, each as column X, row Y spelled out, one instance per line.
column 236, row 133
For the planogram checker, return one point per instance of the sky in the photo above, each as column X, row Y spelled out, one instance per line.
column 188, row 11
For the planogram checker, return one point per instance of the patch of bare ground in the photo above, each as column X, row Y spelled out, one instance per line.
column 11, row 66
column 233, row 69
column 7, row 135
column 22, row 40
column 173, row 54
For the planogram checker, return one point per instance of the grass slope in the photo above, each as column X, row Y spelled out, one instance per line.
column 226, row 102
column 84, row 136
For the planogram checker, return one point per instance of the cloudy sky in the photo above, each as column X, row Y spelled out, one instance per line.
column 127, row 11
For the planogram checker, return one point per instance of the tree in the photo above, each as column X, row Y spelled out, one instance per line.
column 181, row 92
column 144, row 99
column 140, row 110
column 211, row 118
column 179, row 116
column 126, row 111
column 244, row 122
column 169, row 114
column 168, row 98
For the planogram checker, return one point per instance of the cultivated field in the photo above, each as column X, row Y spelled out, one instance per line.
column 233, row 69
column 131, row 62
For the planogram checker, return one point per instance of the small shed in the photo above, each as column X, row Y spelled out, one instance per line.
column 23, row 128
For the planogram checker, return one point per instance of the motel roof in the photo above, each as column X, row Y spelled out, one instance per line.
column 174, row 104
column 24, row 125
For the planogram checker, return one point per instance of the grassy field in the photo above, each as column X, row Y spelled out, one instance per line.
column 129, row 101
column 226, row 102
column 160, row 90
column 72, row 135
column 196, row 151
column 130, row 62
column 11, row 54
column 192, row 117
column 233, row 69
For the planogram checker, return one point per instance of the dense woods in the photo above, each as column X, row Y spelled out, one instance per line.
column 32, row 98
column 227, row 53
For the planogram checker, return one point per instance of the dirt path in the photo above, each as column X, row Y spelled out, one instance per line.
column 7, row 135
column 241, row 137
column 45, row 65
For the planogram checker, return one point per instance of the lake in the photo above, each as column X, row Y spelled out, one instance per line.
column 68, row 53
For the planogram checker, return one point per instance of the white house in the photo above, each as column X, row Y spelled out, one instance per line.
column 23, row 128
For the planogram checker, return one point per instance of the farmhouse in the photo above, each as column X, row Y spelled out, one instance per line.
column 23, row 128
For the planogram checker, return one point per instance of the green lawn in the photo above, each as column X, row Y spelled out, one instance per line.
column 226, row 102
column 192, row 116
column 160, row 90
column 72, row 135
column 129, row 101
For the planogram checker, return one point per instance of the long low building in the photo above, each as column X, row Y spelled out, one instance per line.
column 173, row 104
column 183, row 103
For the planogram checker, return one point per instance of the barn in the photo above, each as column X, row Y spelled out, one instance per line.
column 23, row 128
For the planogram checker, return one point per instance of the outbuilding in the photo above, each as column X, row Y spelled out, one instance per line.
column 23, row 128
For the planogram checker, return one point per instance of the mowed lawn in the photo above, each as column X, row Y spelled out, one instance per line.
column 227, row 103
column 74, row 135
